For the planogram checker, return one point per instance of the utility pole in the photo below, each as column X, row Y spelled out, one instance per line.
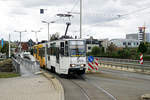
column 48, row 27
column 36, row 35
column 80, row 18
column 20, row 38
column 9, row 47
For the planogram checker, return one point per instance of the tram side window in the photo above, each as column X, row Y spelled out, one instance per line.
column 40, row 52
column 48, row 51
column 62, row 48
column 66, row 49
column 52, row 51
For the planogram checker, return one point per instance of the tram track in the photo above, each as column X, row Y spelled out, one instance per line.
column 84, row 88
column 100, row 88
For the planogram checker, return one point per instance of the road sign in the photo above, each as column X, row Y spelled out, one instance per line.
column 141, row 59
column 2, row 42
column 91, row 58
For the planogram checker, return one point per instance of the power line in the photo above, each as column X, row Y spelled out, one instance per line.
column 133, row 12
column 76, row 3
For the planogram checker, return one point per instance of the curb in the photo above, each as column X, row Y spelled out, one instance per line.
column 56, row 83
column 145, row 97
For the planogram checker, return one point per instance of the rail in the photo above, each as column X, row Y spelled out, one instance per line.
column 16, row 65
column 32, row 66
column 122, row 60
column 126, row 66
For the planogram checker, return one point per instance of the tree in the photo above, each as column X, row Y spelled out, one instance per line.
column 111, row 48
column 125, row 53
column 142, row 47
column 54, row 36
column 96, row 51
column 5, row 48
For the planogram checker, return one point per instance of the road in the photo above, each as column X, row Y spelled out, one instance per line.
column 106, row 85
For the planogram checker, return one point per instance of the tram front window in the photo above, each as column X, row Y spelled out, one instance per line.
column 77, row 48
column 77, row 52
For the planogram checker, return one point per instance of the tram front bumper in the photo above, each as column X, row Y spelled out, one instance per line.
column 77, row 70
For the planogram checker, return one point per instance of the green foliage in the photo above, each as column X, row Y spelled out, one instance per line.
column 111, row 48
column 146, row 57
column 125, row 53
column 5, row 48
column 8, row 75
column 142, row 48
column 54, row 37
column 95, row 51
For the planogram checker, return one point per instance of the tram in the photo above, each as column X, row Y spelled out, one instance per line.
column 64, row 56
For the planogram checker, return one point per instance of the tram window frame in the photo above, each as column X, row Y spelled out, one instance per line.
column 49, row 51
column 62, row 45
column 66, row 49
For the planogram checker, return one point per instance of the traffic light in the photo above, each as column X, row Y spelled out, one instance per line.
column 41, row 11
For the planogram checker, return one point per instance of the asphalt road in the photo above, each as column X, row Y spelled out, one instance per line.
column 122, row 85
column 106, row 85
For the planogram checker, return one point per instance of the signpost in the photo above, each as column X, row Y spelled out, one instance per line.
column 2, row 42
column 93, row 64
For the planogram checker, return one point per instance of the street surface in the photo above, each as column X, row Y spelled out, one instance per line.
column 106, row 85
column 28, row 87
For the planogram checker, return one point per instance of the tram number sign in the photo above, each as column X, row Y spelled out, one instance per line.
column 91, row 58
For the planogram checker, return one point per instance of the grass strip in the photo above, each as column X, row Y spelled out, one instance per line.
column 8, row 75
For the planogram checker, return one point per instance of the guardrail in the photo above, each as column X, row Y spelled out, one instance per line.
column 125, row 66
column 32, row 66
column 122, row 60
column 16, row 65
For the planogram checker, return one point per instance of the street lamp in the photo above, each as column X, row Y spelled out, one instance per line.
column 48, row 26
column 20, row 37
column 80, row 18
column 36, row 35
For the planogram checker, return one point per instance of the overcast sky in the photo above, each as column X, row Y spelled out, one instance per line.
column 100, row 18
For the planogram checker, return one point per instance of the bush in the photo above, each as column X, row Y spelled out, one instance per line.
column 147, row 58
column 96, row 51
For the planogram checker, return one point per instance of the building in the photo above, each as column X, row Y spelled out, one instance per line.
column 104, row 43
column 147, row 37
column 138, row 36
column 90, row 43
column 132, row 36
column 122, row 43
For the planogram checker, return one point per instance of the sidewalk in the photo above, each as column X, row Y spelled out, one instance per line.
column 28, row 88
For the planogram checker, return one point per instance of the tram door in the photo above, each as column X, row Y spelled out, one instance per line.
column 57, row 55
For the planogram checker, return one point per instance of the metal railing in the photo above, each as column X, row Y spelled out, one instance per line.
column 32, row 66
column 123, row 60
column 128, row 65
column 16, row 65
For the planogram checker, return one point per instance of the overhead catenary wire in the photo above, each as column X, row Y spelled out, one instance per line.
column 76, row 3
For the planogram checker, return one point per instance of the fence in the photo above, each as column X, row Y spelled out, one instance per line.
column 113, row 63
column 31, row 66
column 123, row 60
column 16, row 65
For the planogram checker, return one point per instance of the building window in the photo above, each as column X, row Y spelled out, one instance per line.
column 89, row 48
column 124, row 43
column 134, row 43
column 129, row 43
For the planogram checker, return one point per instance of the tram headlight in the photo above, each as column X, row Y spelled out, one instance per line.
column 82, row 65
column 72, row 65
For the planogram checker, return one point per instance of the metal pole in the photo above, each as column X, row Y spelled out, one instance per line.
column 80, row 18
column 9, row 46
column 20, row 42
column 20, row 37
column 36, row 35
column 48, row 32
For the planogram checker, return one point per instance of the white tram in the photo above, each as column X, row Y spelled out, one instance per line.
column 66, row 56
